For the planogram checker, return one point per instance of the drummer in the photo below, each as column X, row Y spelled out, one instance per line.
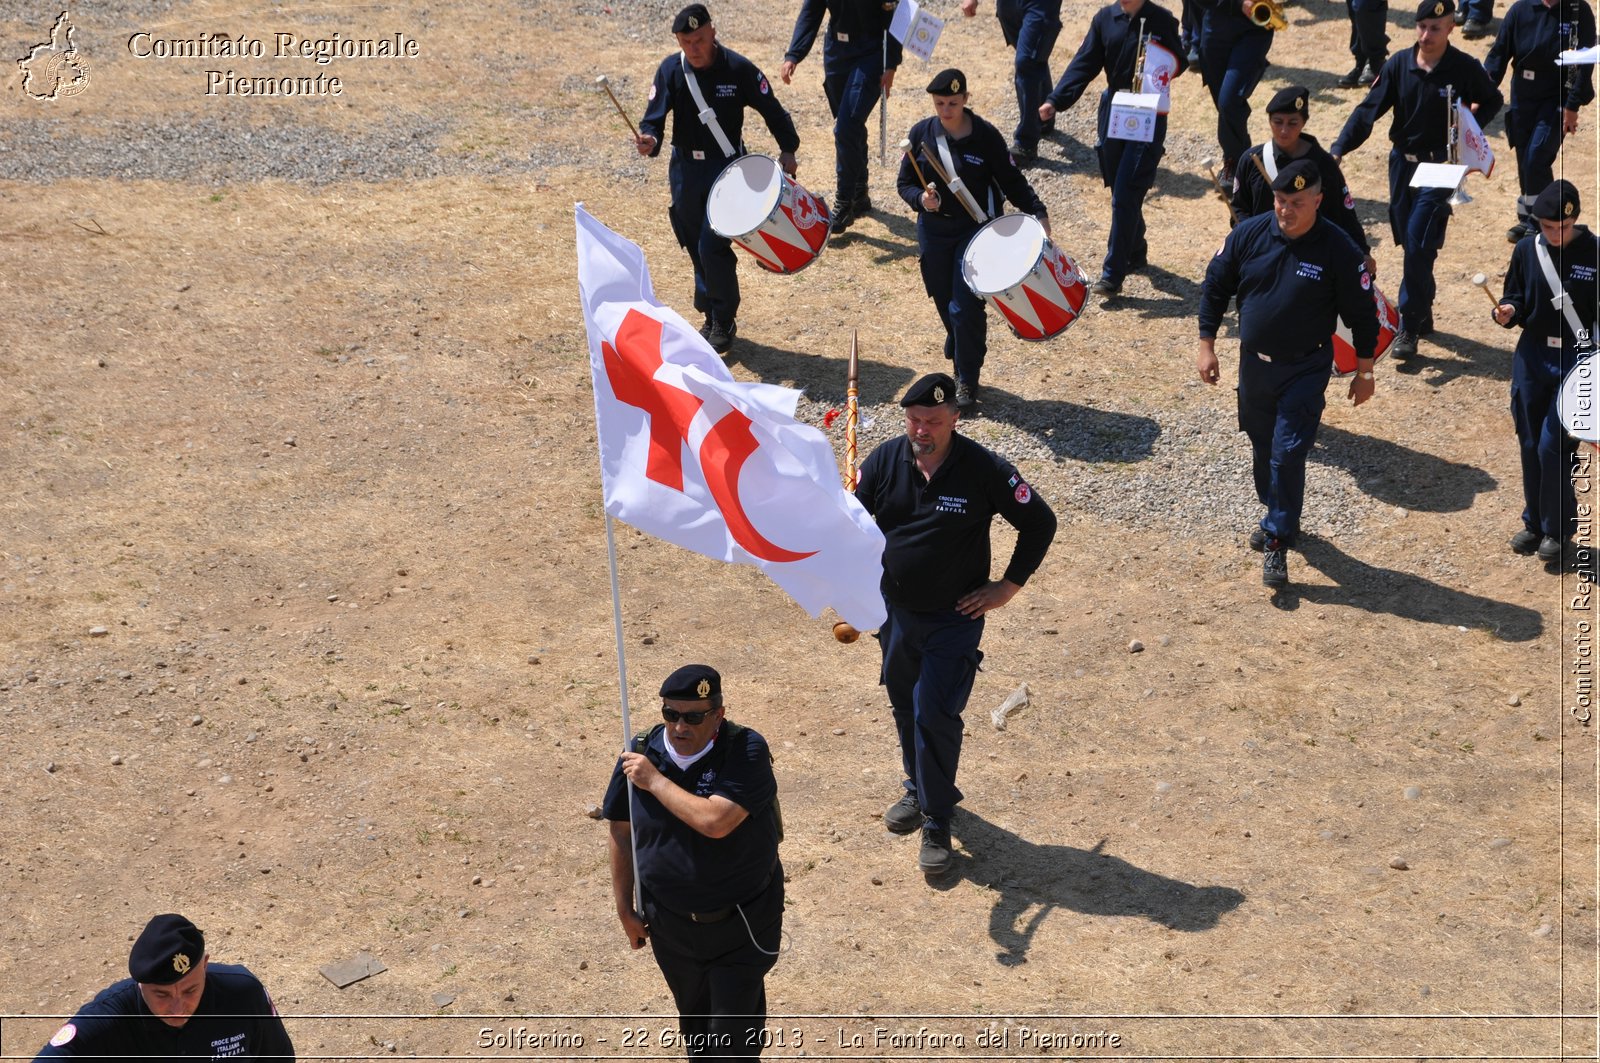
column 704, row 140
column 1558, row 263
column 973, row 153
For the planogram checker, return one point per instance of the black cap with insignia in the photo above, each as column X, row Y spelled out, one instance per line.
column 1435, row 9
column 935, row 389
column 693, row 682
column 948, row 82
column 1292, row 100
column 691, row 18
column 168, row 948
column 1558, row 202
column 1298, row 176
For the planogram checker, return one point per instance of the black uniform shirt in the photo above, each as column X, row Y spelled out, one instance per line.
column 936, row 532
column 1577, row 265
column 1252, row 193
column 682, row 868
column 235, row 1019
column 1420, row 125
column 1531, row 37
column 853, row 26
column 1291, row 292
column 1112, row 45
column 983, row 164
column 729, row 84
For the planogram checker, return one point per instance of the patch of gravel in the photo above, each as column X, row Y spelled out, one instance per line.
column 1182, row 468
column 205, row 148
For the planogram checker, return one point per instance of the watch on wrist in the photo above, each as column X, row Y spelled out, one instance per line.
column 1366, row 376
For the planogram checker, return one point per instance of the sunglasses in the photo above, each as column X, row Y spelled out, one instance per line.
column 693, row 719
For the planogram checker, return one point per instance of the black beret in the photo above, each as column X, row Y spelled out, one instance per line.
column 691, row 18
column 1435, row 9
column 1298, row 176
column 948, row 82
column 1557, row 202
column 935, row 389
column 169, row 948
column 1291, row 100
column 693, row 682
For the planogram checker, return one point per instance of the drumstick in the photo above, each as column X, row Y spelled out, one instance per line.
column 1483, row 282
column 939, row 170
column 905, row 147
column 1222, row 193
column 603, row 83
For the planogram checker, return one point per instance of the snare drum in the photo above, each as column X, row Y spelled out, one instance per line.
column 1344, row 351
column 1578, row 405
column 1012, row 265
column 766, row 212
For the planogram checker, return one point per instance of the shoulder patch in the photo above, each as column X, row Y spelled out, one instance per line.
column 652, row 91
column 1366, row 280
column 64, row 1035
column 763, row 86
column 1024, row 493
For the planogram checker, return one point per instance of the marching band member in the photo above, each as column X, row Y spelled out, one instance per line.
column 1369, row 41
column 1252, row 182
column 973, row 153
column 1295, row 274
column 1412, row 84
column 707, row 87
column 854, row 74
column 1233, row 56
column 1559, row 264
column 1128, row 167
column 1031, row 27
column 1544, row 97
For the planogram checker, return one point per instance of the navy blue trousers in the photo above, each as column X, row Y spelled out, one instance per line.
column 716, row 271
column 717, row 972
column 1369, row 37
column 853, row 81
column 1233, row 68
column 941, row 242
column 1031, row 27
column 1534, row 130
column 1128, row 167
column 1280, row 409
column 1418, row 217
column 1482, row 10
column 1549, row 504
column 929, row 663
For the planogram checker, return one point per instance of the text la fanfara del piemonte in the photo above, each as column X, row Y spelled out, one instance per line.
column 317, row 51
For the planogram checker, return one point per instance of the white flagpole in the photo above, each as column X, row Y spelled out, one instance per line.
column 627, row 728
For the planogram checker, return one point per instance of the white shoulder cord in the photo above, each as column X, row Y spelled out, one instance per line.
column 707, row 115
column 956, row 184
column 1559, row 297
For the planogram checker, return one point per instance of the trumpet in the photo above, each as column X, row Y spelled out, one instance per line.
column 1138, row 63
column 1453, row 145
column 1268, row 14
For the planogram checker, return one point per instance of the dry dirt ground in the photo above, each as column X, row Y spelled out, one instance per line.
column 318, row 457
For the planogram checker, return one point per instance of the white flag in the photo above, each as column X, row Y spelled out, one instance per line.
column 1474, row 150
column 915, row 29
column 692, row 456
column 1160, row 67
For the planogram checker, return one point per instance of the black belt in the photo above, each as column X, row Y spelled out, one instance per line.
column 1293, row 358
column 1420, row 158
column 717, row 915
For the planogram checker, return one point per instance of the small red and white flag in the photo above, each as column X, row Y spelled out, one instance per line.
column 1474, row 152
column 720, row 467
column 1160, row 67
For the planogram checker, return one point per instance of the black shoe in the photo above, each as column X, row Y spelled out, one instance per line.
column 1460, row 16
column 1106, row 288
column 705, row 328
column 861, row 206
column 720, row 335
column 905, row 815
column 1353, row 79
column 966, row 395
column 1225, row 175
column 1405, row 346
column 1371, row 76
column 1475, row 29
column 1022, row 155
column 1550, row 549
column 1258, row 538
column 1274, row 564
column 934, row 859
column 1518, row 231
column 1525, row 542
column 843, row 217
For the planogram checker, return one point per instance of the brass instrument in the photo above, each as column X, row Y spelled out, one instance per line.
column 1138, row 63
column 1453, row 145
column 1268, row 14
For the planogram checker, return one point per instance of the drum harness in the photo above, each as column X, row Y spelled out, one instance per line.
column 956, row 185
column 1560, row 299
column 707, row 116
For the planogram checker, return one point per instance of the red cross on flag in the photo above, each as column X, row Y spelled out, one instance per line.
column 1475, row 151
column 720, row 467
